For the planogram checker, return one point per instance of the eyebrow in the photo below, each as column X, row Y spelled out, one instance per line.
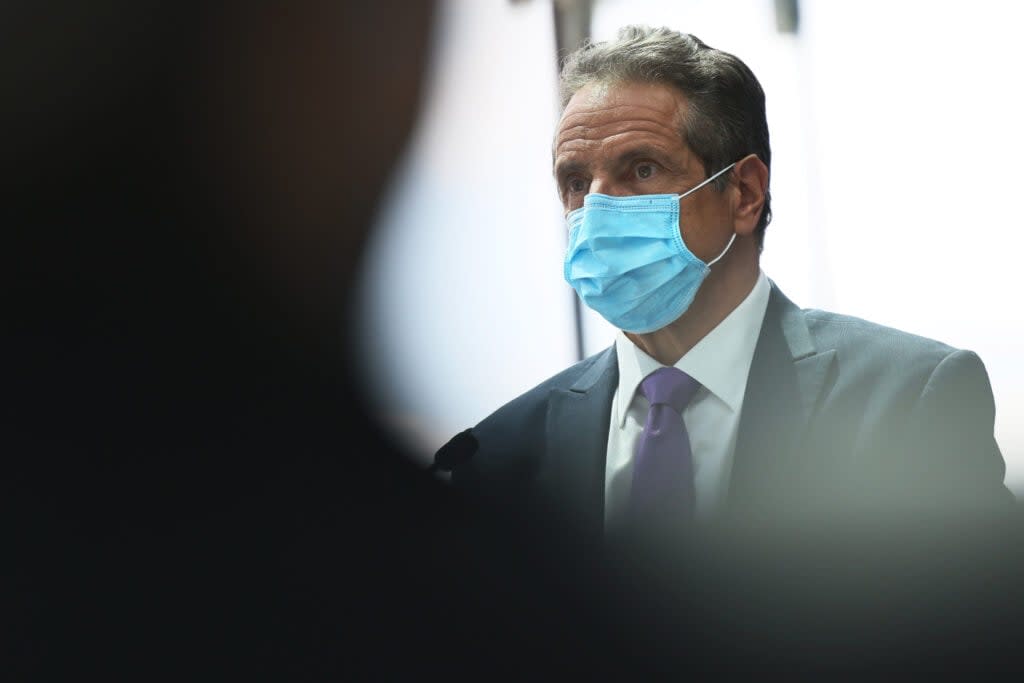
column 566, row 168
column 643, row 151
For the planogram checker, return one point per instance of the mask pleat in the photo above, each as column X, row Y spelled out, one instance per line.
column 641, row 225
column 659, row 307
column 631, row 283
column 653, row 280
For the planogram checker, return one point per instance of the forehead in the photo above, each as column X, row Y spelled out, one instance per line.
column 608, row 114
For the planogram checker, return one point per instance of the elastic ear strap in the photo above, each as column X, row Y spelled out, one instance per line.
column 697, row 187
column 723, row 251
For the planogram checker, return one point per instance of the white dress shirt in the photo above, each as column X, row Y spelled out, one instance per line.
column 720, row 362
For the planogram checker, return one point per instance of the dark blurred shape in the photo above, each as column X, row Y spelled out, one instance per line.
column 787, row 16
column 459, row 449
column 191, row 486
column 190, row 481
column 572, row 25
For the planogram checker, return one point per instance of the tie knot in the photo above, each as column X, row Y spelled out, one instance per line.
column 670, row 386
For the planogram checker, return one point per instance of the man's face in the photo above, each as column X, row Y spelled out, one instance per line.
column 624, row 139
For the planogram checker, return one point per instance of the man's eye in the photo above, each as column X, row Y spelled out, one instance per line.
column 644, row 171
column 576, row 185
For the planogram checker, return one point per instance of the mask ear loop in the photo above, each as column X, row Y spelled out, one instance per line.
column 713, row 262
column 694, row 189
column 705, row 182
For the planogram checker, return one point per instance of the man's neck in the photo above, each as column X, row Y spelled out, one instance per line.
column 720, row 294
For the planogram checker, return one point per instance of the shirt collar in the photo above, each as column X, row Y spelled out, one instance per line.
column 720, row 361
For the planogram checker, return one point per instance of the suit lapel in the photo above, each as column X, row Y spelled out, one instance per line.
column 787, row 377
column 577, row 443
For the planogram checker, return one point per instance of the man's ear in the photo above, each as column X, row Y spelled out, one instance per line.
column 750, row 178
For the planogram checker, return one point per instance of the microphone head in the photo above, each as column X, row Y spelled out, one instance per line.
column 459, row 449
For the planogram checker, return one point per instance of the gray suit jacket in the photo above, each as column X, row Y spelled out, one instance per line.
column 842, row 418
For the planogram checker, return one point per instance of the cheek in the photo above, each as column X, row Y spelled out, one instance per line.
column 702, row 229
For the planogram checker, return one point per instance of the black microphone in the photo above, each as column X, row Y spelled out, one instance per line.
column 459, row 449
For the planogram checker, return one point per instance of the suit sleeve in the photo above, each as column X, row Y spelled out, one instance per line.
column 950, row 454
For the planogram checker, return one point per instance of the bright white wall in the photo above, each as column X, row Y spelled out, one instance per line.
column 895, row 147
column 464, row 305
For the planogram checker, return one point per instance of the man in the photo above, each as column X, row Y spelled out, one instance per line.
column 720, row 398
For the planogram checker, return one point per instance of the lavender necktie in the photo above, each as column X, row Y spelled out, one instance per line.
column 662, row 497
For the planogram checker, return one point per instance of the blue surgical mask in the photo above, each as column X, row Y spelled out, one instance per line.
column 627, row 259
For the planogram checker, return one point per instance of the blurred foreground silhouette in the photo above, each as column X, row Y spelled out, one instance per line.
column 191, row 482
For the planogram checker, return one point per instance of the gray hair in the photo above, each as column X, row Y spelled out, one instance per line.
column 726, row 119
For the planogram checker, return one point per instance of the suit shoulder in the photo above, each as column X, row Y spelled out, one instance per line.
column 523, row 408
column 840, row 331
column 887, row 355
